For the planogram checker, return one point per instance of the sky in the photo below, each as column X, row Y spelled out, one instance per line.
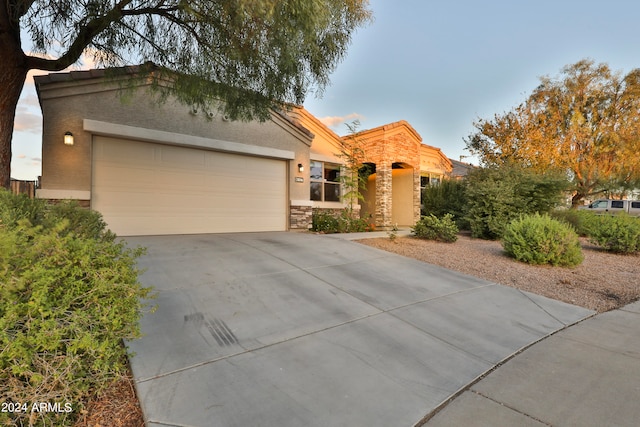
column 439, row 65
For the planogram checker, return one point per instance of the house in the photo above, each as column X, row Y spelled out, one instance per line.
column 164, row 168
column 401, row 166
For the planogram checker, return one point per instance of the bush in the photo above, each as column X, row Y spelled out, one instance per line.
column 448, row 197
column 615, row 233
column 15, row 208
column 580, row 220
column 68, row 302
column 326, row 221
column 83, row 222
column 498, row 195
column 433, row 228
column 540, row 239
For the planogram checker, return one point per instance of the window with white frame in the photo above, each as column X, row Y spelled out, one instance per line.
column 325, row 181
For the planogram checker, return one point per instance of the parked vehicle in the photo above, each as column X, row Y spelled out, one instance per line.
column 632, row 207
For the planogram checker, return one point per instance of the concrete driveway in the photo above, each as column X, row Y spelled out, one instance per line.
column 295, row 329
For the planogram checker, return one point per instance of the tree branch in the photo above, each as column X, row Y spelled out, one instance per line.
column 89, row 31
column 83, row 39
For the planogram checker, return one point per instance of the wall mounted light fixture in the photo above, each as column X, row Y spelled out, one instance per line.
column 68, row 138
column 300, row 167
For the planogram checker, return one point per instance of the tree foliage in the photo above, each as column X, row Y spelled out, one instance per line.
column 251, row 54
column 584, row 123
column 498, row 195
column 448, row 197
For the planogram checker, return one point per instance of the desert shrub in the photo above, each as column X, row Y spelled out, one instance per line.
column 433, row 228
column 540, row 239
column 580, row 220
column 498, row 195
column 67, row 302
column 326, row 221
column 15, row 208
column 83, row 222
column 615, row 233
column 448, row 197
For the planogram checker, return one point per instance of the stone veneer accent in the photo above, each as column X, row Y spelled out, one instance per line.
column 300, row 217
column 393, row 143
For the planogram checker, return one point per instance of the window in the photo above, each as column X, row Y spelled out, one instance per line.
column 428, row 180
column 619, row 204
column 600, row 204
column 325, row 182
column 635, row 205
column 424, row 182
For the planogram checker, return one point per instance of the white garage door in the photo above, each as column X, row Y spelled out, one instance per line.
column 143, row 188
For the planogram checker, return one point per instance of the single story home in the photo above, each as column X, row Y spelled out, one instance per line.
column 165, row 168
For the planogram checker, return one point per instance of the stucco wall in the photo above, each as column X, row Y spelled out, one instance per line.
column 66, row 104
column 402, row 212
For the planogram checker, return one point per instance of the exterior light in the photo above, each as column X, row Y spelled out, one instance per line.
column 68, row 138
column 300, row 167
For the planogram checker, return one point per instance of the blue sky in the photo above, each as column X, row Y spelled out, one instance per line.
column 440, row 65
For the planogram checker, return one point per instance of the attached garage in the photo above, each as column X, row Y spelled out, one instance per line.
column 145, row 188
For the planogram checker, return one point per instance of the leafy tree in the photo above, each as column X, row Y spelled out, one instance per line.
column 251, row 54
column 584, row 123
column 498, row 195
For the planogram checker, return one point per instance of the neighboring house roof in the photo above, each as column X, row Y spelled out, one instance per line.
column 460, row 169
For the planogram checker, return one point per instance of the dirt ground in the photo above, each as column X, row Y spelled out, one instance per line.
column 117, row 407
column 603, row 282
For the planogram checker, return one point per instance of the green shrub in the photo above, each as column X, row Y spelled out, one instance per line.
column 448, row 197
column 580, row 220
column 433, row 228
column 498, row 195
column 67, row 302
column 540, row 239
column 15, row 208
column 615, row 233
column 326, row 221
column 83, row 222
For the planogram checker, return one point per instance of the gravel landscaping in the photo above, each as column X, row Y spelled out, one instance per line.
column 603, row 282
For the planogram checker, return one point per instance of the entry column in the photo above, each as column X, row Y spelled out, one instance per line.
column 383, row 194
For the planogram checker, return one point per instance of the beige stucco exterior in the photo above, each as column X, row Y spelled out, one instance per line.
column 89, row 106
column 400, row 159
column 86, row 104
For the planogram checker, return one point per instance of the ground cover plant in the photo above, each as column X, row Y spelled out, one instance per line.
column 69, row 296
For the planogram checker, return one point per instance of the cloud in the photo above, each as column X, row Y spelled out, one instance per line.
column 335, row 121
column 27, row 121
column 21, row 156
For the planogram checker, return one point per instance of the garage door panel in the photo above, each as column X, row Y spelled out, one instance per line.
column 145, row 188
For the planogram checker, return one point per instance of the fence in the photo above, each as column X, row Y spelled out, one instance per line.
column 24, row 187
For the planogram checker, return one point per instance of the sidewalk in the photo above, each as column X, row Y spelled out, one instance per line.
column 585, row 375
